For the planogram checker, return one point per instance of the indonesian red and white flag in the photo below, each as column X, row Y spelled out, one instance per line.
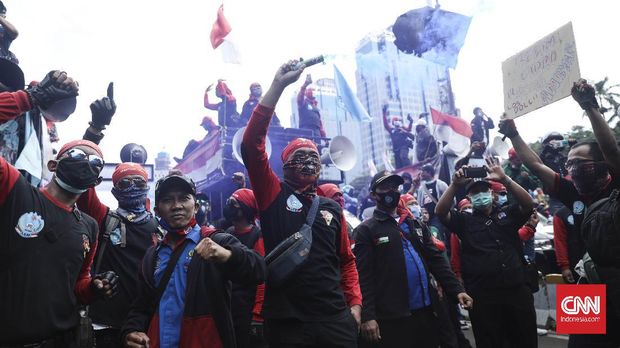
column 220, row 36
column 453, row 130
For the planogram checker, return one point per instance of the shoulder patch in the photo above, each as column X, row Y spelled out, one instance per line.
column 293, row 204
column 570, row 219
column 29, row 225
column 327, row 216
column 578, row 207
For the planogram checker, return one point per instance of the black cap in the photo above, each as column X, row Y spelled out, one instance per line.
column 11, row 75
column 476, row 182
column 175, row 178
column 385, row 176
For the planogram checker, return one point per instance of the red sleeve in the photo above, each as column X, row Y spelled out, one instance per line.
column 455, row 255
column 8, row 178
column 82, row 288
column 349, row 281
column 209, row 105
column 560, row 243
column 260, row 290
column 265, row 182
column 556, row 185
column 90, row 204
column 439, row 244
column 526, row 232
column 13, row 104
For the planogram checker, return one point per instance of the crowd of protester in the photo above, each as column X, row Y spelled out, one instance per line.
column 284, row 267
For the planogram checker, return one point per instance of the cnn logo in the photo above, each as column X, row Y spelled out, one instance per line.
column 581, row 309
column 575, row 304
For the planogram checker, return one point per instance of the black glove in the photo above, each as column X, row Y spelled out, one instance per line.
column 384, row 108
column 508, row 128
column 52, row 89
column 107, row 287
column 584, row 94
column 103, row 109
column 409, row 118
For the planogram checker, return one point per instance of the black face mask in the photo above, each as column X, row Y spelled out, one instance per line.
column 389, row 199
column 76, row 175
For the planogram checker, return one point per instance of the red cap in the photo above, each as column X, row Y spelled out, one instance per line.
column 297, row 144
column 128, row 168
column 463, row 203
column 75, row 143
column 406, row 198
column 246, row 196
column 330, row 190
column 497, row 187
column 512, row 153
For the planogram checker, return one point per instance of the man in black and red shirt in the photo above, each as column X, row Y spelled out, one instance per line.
column 320, row 305
column 46, row 250
column 593, row 167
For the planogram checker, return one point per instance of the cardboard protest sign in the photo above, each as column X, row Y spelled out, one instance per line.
column 541, row 74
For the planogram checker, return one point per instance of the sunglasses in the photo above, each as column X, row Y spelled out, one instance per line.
column 93, row 160
column 126, row 183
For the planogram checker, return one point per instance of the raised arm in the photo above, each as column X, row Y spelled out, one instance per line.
column 496, row 173
column 386, row 124
column 10, row 28
column 206, row 100
column 527, row 155
column 408, row 128
column 13, row 104
column 584, row 94
column 442, row 209
column 302, row 91
column 265, row 182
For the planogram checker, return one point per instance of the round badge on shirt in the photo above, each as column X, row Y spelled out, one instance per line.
column 29, row 225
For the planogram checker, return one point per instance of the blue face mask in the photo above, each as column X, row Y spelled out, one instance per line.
column 482, row 200
column 132, row 199
column 416, row 211
column 502, row 199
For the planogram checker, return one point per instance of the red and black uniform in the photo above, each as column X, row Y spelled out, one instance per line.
column 206, row 312
column 121, row 256
column 46, row 251
column 13, row 104
column 326, row 285
column 309, row 115
column 247, row 300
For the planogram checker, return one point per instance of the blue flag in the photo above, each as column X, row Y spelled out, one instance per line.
column 348, row 98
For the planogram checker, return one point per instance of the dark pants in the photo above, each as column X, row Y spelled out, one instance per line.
column 420, row 330
column 62, row 340
column 291, row 333
column 108, row 338
column 504, row 318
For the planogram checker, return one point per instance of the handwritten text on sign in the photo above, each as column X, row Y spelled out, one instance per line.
column 541, row 74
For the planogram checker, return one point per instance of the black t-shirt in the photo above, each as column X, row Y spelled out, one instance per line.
column 43, row 246
column 314, row 292
column 429, row 204
column 491, row 256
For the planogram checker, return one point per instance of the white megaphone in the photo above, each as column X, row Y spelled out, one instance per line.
column 499, row 147
column 341, row 153
column 236, row 145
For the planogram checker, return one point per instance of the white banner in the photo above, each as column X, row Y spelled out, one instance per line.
column 541, row 74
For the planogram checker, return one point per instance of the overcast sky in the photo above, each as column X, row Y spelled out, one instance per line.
column 159, row 56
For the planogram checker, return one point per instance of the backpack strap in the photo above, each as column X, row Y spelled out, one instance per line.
column 111, row 222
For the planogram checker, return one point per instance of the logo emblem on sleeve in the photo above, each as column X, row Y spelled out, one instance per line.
column 293, row 204
column 578, row 207
column 29, row 225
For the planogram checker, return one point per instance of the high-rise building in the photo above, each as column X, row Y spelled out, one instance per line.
column 162, row 165
column 336, row 119
column 408, row 84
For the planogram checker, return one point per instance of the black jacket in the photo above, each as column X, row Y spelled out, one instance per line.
column 382, row 270
column 207, row 297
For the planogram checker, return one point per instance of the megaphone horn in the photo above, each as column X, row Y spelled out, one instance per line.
column 499, row 147
column 236, row 145
column 341, row 153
